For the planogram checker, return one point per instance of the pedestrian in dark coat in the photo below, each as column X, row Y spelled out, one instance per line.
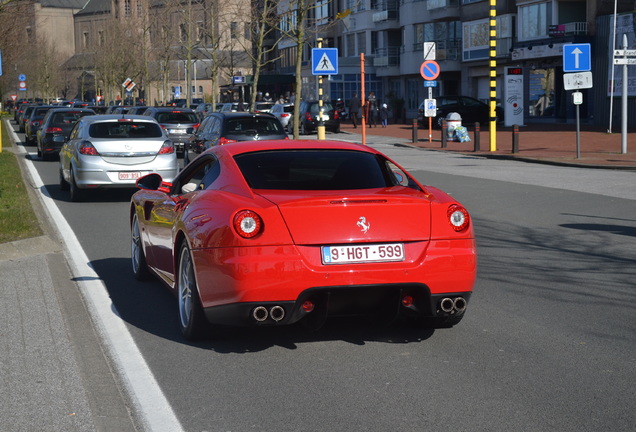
column 354, row 108
column 384, row 115
column 372, row 110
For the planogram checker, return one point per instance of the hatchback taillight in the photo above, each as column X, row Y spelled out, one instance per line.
column 336, row 115
column 167, row 148
column 224, row 140
column 53, row 130
column 308, row 117
column 87, row 149
column 285, row 115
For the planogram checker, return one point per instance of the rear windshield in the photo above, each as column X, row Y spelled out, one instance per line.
column 41, row 111
column 124, row 130
column 68, row 118
column 176, row 117
column 314, row 108
column 253, row 126
column 314, row 170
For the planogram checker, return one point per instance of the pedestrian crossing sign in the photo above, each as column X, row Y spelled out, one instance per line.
column 324, row 61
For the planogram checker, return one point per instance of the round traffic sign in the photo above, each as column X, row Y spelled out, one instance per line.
column 22, row 84
column 429, row 70
column 22, row 77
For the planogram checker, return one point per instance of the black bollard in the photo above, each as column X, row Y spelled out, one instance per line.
column 414, row 138
column 477, row 136
column 515, row 138
column 444, row 136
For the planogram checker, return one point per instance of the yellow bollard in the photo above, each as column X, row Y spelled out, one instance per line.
column 321, row 132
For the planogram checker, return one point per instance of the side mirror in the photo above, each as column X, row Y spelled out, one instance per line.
column 150, row 182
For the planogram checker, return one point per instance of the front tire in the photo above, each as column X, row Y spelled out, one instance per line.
column 138, row 258
column 191, row 318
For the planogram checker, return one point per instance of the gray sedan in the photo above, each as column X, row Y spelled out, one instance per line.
column 113, row 151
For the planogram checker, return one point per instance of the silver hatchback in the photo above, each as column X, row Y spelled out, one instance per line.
column 113, row 151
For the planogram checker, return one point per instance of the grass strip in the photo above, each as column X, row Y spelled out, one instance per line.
column 17, row 218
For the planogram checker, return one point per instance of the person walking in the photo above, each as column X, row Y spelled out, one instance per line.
column 372, row 110
column 354, row 108
column 384, row 115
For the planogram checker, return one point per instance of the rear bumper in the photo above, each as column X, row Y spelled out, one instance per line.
column 233, row 281
column 382, row 301
column 100, row 174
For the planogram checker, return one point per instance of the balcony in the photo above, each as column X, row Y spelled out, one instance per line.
column 388, row 10
column 387, row 57
column 444, row 49
column 568, row 29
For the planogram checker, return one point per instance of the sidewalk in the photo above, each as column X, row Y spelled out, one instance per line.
column 553, row 143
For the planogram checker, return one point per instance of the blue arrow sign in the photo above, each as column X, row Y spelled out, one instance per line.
column 577, row 57
column 324, row 61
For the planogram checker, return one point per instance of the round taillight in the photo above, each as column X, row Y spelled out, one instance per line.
column 308, row 306
column 458, row 217
column 247, row 223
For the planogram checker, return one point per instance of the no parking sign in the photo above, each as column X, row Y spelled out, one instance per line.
column 429, row 70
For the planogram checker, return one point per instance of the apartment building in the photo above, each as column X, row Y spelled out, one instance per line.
column 529, row 45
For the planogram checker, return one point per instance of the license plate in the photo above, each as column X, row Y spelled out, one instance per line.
column 325, row 117
column 362, row 253
column 176, row 131
column 129, row 175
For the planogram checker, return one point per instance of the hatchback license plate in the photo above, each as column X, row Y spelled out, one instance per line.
column 365, row 253
column 129, row 175
column 177, row 131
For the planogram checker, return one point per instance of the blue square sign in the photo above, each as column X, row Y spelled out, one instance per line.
column 324, row 61
column 577, row 57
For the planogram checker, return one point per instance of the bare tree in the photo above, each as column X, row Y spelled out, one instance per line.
column 262, row 28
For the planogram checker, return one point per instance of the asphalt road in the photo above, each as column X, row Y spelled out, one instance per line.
column 548, row 342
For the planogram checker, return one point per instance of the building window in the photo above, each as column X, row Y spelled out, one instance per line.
column 289, row 21
column 534, row 21
column 322, row 12
column 183, row 32
column 362, row 42
column 351, row 44
column 100, row 38
column 85, row 40
column 127, row 8
column 200, row 31
column 140, row 8
column 234, row 30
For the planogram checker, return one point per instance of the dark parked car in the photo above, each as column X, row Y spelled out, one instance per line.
column 220, row 128
column 24, row 116
column 56, row 127
column 32, row 124
column 179, row 123
column 204, row 109
column 308, row 121
column 470, row 109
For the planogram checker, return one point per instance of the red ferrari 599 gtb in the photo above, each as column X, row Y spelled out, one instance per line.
column 276, row 232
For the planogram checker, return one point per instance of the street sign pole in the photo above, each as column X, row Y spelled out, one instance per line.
column 624, row 117
column 321, row 124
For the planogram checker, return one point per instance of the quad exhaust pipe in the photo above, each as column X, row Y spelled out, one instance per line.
column 453, row 305
column 260, row 313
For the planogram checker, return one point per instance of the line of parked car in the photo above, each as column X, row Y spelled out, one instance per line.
column 111, row 147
